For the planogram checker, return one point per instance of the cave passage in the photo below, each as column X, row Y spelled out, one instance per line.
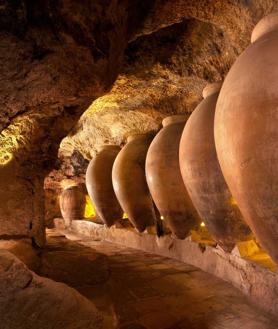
column 144, row 124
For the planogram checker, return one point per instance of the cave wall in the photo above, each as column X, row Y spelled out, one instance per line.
column 56, row 57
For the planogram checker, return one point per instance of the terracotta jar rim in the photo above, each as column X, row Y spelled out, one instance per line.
column 211, row 89
column 71, row 187
column 267, row 24
column 108, row 146
column 132, row 137
column 172, row 119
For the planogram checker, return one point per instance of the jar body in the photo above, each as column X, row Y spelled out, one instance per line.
column 246, row 137
column 99, row 185
column 166, row 184
column 129, row 182
column 204, row 180
column 72, row 204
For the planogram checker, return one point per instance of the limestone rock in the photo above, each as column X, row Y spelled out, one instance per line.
column 56, row 57
column 23, row 250
column 163, row 74
column 30, row 301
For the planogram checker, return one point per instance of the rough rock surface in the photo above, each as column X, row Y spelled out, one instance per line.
column 163, row 74
column 30, row 301
column 24, row 251
column 56, row 57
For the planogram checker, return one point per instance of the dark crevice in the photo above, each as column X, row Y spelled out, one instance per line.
column 13, row 237
column 28, row 283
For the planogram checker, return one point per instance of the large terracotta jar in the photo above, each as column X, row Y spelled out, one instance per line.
column 129, row 181
column 203, row 178
column 165, row 181
column 246, row 133
column 99, row 185
column 72, row 204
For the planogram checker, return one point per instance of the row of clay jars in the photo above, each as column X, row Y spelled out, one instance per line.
column 165, row 181
column 203, row 177
column 72, row 204
column 246, row 132
column 200, row 169
column 229, row 228
column 99, row 185
column 129, row 180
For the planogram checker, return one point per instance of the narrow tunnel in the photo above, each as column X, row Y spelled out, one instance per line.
column 138, row 180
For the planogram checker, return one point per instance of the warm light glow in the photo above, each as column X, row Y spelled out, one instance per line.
column 5, row 158
column 202, row 236
column 124, row 215
column 89, row 208
column 252, row 251
column 202, row 224
column 17, row 137
column 233, row 201
column 67, row 183
column 161, row 217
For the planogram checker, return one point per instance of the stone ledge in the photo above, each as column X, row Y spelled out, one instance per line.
column 258, row 283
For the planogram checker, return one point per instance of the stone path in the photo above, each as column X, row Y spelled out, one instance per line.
column 136, row 290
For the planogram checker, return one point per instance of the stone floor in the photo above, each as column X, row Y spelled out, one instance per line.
column 136, row 290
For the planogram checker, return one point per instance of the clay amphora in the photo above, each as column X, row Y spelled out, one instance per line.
column 99, row 185
column 203, row 178
column 129, row 181
column 165, row 181
column 246, row 133
column 72, row 204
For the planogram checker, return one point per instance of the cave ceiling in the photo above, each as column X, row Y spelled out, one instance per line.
column 57, row 57
column 163, row 73
column 179, row 47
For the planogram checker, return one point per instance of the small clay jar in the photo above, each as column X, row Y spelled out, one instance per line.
column 246, row 133
column 99, row 185
column 165, row 181
column 203, row 178
column 72, row 204
column 129, row 181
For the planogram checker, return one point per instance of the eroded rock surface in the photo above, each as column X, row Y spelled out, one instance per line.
column 24, row 251
column 163, row 74
column 30, row 301
column 56, row 57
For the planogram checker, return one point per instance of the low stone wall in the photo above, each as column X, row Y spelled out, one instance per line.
column 258, row 283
